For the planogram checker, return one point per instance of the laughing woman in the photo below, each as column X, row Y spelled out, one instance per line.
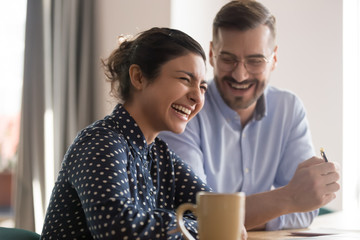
column 118, row 180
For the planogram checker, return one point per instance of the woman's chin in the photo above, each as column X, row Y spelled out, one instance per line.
column 178, row 130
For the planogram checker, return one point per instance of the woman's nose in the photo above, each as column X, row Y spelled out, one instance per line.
column 195, row 95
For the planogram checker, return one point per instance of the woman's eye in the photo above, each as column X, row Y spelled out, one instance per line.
column 186, row 79
column 204, row 88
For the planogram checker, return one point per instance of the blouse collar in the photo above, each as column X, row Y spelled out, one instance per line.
column 131, row 131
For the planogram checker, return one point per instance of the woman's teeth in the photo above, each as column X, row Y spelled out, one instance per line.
column 181, row 109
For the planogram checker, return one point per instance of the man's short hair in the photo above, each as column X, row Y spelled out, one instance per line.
column 243, row 15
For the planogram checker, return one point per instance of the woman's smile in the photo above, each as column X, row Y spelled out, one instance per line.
column 182, row 111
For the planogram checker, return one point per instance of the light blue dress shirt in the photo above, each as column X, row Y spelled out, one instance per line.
column 261, row 156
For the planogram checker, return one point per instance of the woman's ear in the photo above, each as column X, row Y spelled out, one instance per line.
column 136, row 76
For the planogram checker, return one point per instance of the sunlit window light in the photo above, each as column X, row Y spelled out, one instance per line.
column 351, row 114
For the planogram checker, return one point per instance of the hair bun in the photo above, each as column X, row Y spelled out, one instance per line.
column 123, row 38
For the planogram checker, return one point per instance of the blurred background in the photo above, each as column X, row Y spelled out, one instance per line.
column 52, row 84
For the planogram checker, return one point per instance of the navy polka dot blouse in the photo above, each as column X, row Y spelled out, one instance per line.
column 113, row 185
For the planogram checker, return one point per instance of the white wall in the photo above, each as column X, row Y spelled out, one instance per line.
column 116, row 17
column 195, row 18
column 310, row 50
column 310, row 64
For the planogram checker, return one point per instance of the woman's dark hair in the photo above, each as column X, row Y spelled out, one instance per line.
column 243, row 15
column 149, row 50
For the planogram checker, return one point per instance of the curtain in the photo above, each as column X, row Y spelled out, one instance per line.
column 57, row 101
column 73, row 81
column 31, row 156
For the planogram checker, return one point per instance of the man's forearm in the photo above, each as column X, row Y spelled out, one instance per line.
column 262, row 207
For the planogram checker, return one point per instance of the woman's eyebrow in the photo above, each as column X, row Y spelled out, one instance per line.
column 187, row 73
column 191, row 75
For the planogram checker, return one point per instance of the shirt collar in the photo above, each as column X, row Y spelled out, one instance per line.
column 228, row 113
column 260, row 109
column 131, row 131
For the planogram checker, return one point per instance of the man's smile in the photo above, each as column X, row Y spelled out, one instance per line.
column 244, row 85
column 240, row 86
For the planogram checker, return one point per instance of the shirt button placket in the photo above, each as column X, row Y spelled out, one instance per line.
column 245, row 154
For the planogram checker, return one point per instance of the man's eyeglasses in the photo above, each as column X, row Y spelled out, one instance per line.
column 254, row 65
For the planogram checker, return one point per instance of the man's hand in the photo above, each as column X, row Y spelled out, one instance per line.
column 313, row 185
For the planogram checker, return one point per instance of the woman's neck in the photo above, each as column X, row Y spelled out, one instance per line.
column 142, row 121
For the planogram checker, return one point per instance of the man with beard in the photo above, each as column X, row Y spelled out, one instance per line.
column 253, row 137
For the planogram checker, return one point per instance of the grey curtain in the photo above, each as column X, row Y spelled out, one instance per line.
column 73, row 70
column 31, row 156
column 59, row 67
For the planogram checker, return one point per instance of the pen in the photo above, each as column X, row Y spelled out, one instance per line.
column 322, row 152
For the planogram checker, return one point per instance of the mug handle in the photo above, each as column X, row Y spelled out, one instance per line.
column 179, row 217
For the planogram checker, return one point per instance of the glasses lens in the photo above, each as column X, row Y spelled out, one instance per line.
column 226, row 63
column 255, row 65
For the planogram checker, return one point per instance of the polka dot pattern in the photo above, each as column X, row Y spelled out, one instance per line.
column 113, row 185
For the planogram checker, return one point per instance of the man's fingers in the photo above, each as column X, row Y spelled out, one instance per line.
column 328, row 198
column 331, row 177
column 311, row 161
column 333, row 187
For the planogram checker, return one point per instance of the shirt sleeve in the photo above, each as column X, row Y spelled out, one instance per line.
column 292, row 221
column 187, row 146
column 298, row 148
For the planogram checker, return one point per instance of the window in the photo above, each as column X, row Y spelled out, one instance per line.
column 351, row 117
column 12, row 27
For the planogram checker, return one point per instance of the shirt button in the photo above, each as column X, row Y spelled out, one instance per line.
column 246, row 170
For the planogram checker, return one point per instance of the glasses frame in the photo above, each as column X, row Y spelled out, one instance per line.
column 243, row 61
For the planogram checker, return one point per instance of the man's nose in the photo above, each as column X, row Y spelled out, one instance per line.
column 240, row 73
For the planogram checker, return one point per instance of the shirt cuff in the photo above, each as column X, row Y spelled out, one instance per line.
column 275, row 224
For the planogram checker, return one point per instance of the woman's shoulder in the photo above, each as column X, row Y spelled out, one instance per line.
column 96, row 136
column 101, row 130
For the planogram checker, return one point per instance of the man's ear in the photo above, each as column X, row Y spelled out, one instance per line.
column 274, row 62
column 136, row 76
column 211, row 54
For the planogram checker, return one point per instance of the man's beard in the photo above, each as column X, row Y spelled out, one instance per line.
column 238, row 103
